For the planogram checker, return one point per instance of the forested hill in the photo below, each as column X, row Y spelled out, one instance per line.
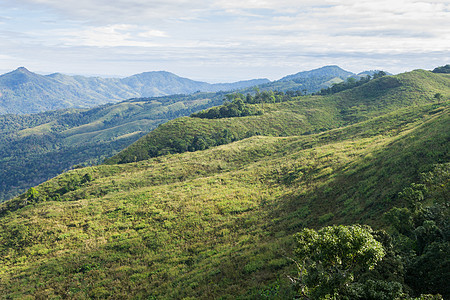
column 22, row 91
column 256, row 217
column 310, row 114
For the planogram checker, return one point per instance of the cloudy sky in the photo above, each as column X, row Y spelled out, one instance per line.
column 222, row 40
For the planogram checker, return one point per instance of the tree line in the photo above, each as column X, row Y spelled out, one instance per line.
column 240, row 105
column 350, row 83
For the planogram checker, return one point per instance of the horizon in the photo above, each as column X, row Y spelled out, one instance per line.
column 156, row 71
column 223, row 41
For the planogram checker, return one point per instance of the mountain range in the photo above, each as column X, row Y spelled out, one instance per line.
column 24, row 92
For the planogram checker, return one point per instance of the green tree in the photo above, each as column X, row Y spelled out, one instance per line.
column 332, row 257
column 438, row 97
column 32, row 195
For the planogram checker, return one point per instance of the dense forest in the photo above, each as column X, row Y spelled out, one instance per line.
column 336, row 196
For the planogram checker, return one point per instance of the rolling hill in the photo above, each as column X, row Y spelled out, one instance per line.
column 219, row 223
column 37, row 147
column 308, row 115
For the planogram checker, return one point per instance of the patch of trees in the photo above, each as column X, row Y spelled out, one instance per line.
column 33, row 195
column 350, row 83
column 237, row 105
column 442, row 69
column 355, row 262
column 183, row 144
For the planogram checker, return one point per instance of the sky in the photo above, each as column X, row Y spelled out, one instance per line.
column 222, row 40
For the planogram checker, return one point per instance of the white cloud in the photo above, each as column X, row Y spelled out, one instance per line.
column 229, row 35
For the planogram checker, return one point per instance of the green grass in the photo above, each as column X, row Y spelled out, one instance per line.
column 306, row 115
column 218, row 223
column 214, row 223
column 34, row 148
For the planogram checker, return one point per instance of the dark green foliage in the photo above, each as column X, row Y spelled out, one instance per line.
column 236, row 108
column 350, row 83
column 237, row 105
column 442, row 69
column 423, row 239
column 332, row 258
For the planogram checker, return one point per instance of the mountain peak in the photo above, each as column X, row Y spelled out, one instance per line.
column 22, row 70
column 326, row 71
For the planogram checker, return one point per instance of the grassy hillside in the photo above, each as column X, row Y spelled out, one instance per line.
column 218, row 223
column 306, row 115
column 214, row 223
column 34, row 148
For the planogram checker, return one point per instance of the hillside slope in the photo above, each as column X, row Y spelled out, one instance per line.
column 210, row 224
column 307, row 115
column 37, row 147
column 218, row 223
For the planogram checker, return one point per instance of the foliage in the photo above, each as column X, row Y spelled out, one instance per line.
column 422, row 232
column 237, row 105
column 442, row 69
column 350, row 83
column 332, row 258
column 235, row 108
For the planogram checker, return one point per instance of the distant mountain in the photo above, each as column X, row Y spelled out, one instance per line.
column 324, row 72
column 308, row 82
column 22, row 91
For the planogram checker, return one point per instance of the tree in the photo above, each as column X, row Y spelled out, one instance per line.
column 332, row 257
column 421, row 232
column 438, row 97
column 442, row 69
column 32, row 195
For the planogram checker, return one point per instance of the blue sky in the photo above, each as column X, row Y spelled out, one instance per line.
column 222, row 40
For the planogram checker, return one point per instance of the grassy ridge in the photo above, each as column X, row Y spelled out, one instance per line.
column 213, row 223
column 282, row 119
column 304, row 116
